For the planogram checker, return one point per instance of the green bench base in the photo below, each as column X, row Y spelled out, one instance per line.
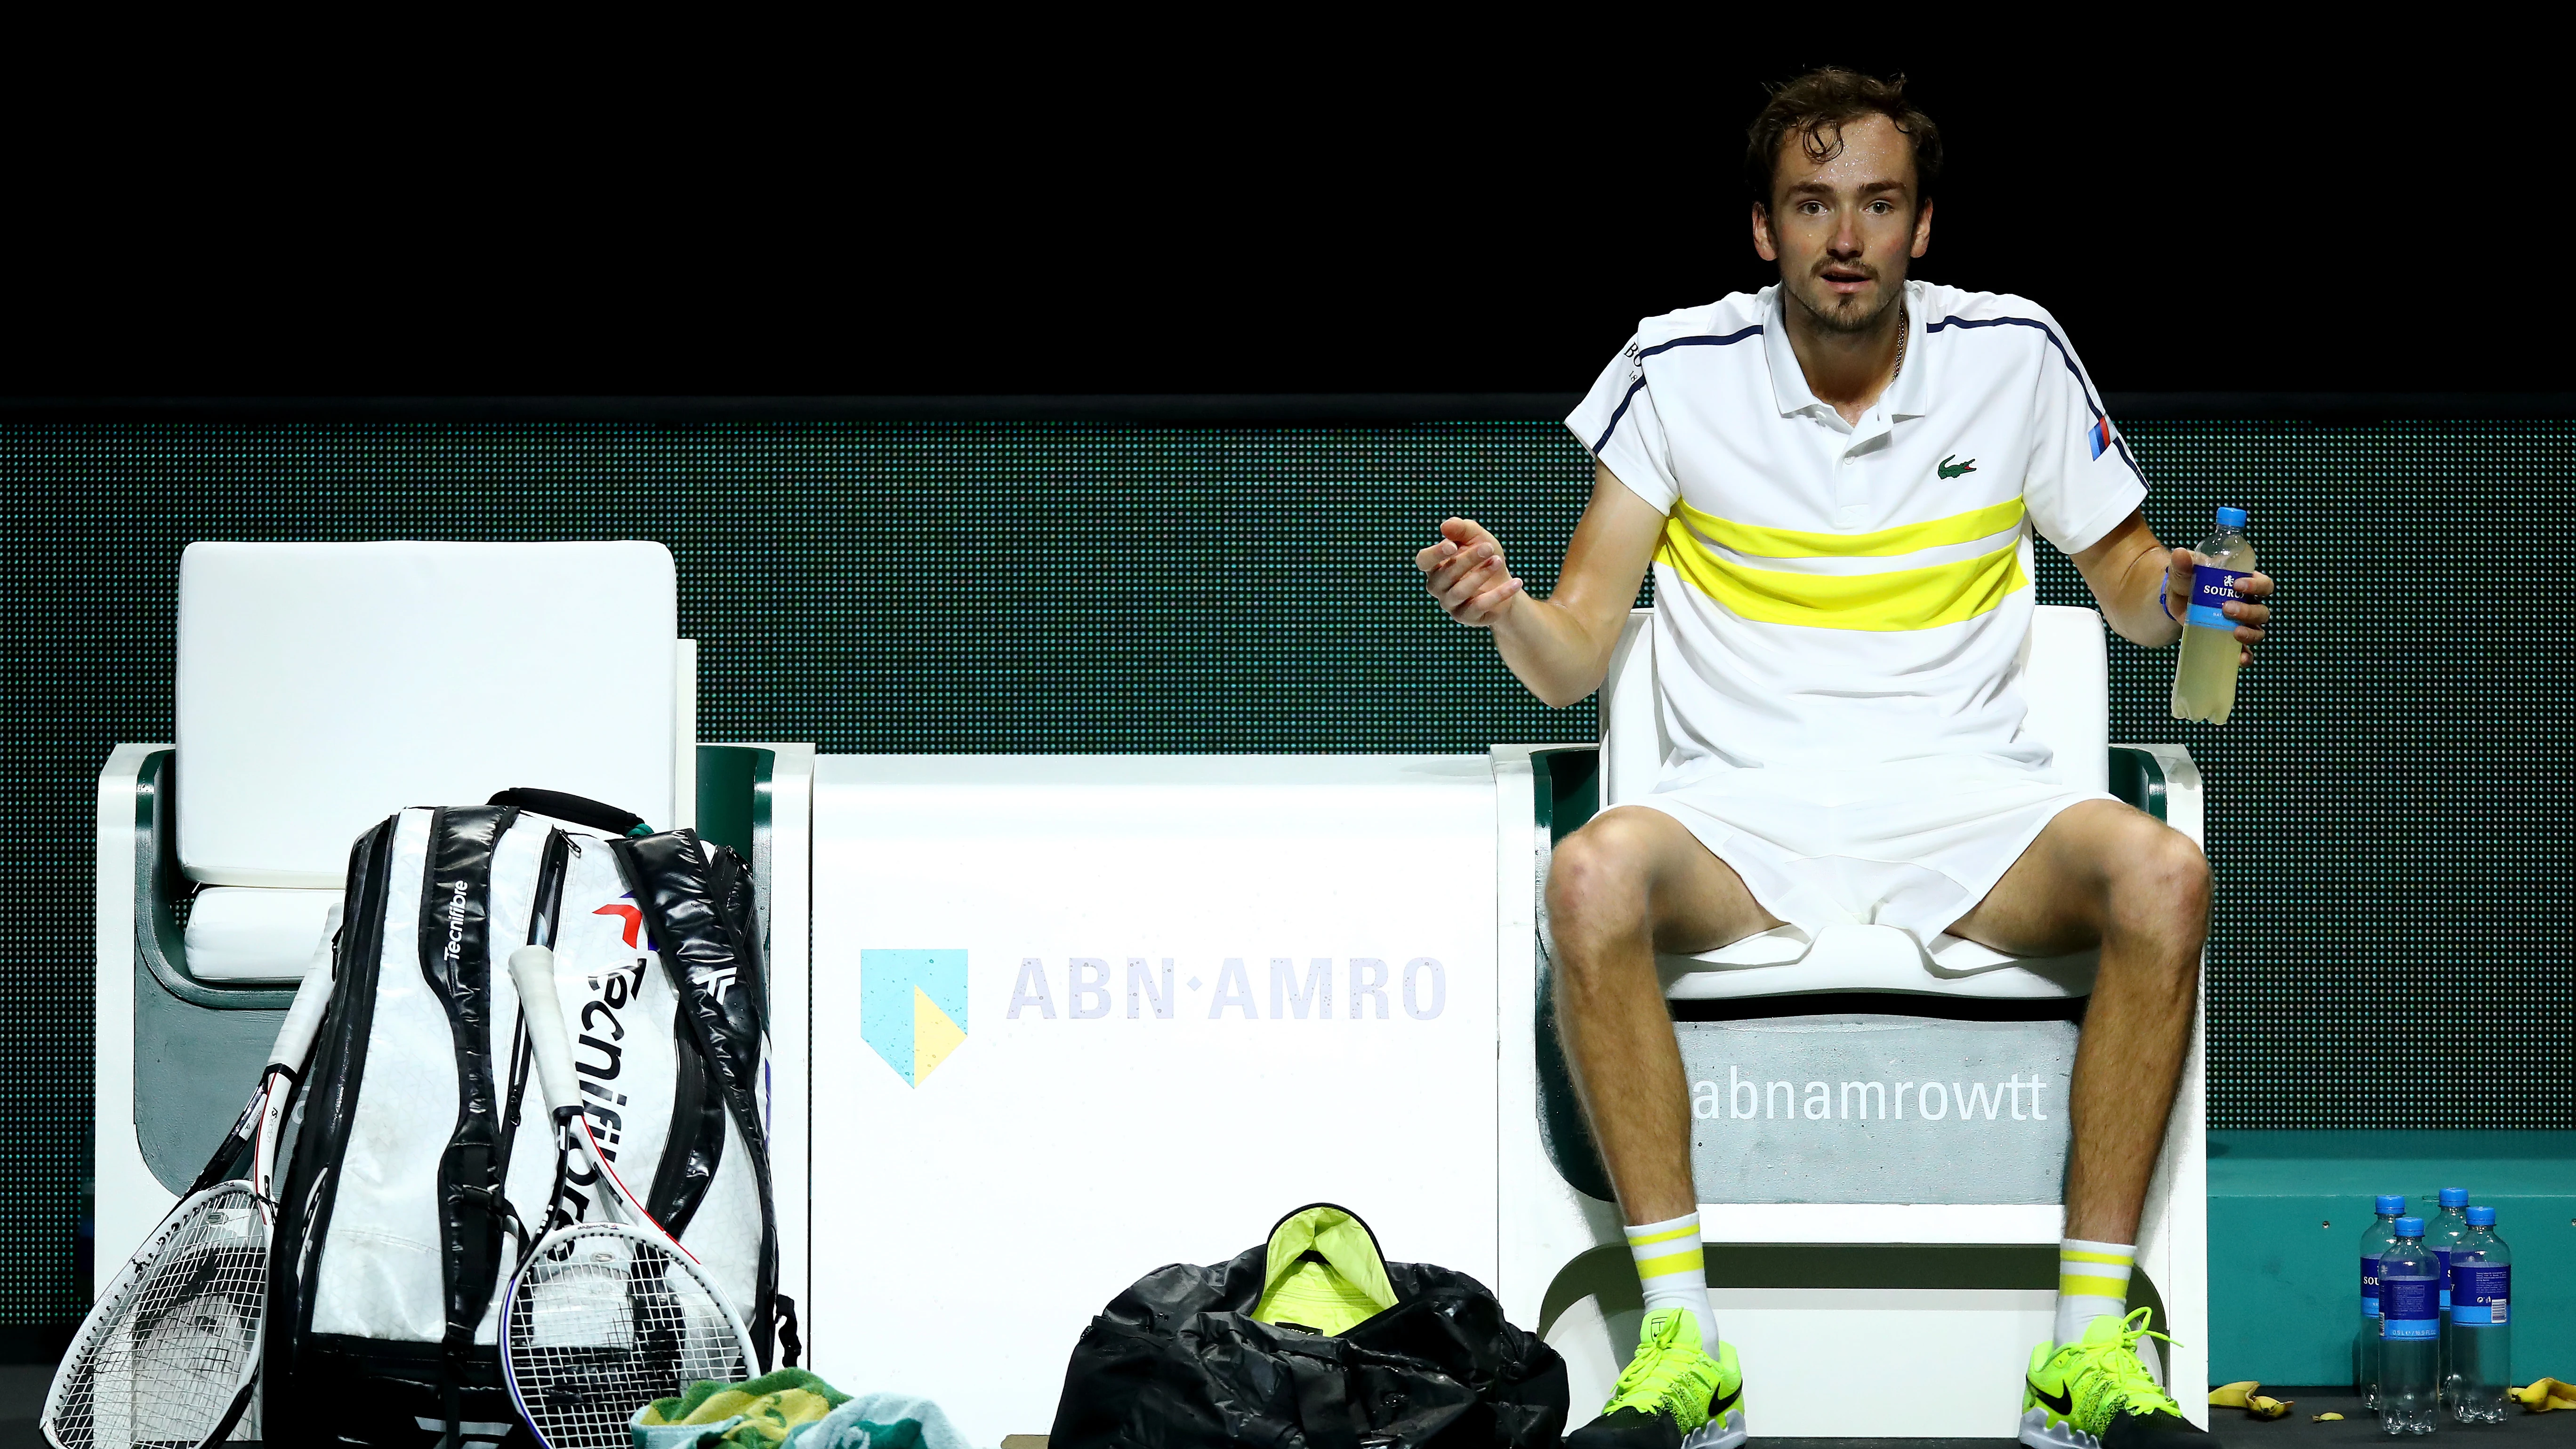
column 2286, row 1214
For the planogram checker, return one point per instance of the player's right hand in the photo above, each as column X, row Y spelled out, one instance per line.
column 1466, row 573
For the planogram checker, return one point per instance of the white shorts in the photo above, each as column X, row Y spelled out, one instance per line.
column 1912, row 843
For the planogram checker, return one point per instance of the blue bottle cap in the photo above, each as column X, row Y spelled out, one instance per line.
column 2231, row 518
column 2482, row 1217
column 2455, row 1197
column 2388, row 1204
column 2410, row 1227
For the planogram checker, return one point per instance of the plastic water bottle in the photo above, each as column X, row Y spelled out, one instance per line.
column 2204, row 686
column 2441, row 1234
column 2410, row 1332
column 2374, row 1241
column 2481, row 1338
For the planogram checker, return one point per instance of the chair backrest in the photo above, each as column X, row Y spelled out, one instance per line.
column 323, row 686
column 2066, row 680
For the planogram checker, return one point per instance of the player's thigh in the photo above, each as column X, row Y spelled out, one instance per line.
column 2059, row 895
column 1632, row 869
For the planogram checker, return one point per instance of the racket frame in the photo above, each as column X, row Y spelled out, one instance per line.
column 532, row 974
column 258, row 1126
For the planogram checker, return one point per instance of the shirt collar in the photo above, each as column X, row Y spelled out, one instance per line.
column 1909, row 396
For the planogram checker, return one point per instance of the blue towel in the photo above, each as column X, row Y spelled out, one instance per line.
column 881, row 1421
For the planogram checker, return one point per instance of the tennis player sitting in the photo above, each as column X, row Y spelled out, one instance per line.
column 1836, row 480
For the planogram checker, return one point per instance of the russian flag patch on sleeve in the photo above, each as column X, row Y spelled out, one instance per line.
column 2098, row 436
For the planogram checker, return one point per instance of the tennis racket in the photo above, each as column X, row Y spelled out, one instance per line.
column 170, row 1352
column 602, row 1317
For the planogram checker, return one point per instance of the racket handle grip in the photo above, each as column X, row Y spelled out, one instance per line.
column 303, row 1020
column 532, row 971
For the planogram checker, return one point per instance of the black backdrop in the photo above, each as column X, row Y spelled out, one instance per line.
column 2387, row 807
column 1063, row 206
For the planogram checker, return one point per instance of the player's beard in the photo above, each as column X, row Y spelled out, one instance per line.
column 1841, row 315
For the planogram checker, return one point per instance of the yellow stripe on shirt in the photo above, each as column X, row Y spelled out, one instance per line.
column 1761, row 542
column 1891, row 602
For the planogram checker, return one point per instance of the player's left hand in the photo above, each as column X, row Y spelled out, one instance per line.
column 2250, row 614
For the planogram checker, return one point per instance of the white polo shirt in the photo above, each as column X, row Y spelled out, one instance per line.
column 1830, row 594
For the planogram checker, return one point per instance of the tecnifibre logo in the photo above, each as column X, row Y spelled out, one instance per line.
column 456, row 920
column 1317, row 988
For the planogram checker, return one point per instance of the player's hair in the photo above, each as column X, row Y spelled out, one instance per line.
column 1816, row 106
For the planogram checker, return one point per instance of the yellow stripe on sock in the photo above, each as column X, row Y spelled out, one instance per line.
column 1689, row 1262
column 1635, row 1241
column 2075, row 1287
column 2070, row 1255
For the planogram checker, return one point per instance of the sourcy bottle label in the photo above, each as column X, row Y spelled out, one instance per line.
column 2370, row 1286
column 2478, row 1293
column 2211, row 589
column 2410, row 1308
column 2445, row 1255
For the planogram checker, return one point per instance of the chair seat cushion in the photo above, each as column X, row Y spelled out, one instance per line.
column 242, row 933
column 1870, row 958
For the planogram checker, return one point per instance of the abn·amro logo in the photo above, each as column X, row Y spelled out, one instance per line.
column 912, row 1008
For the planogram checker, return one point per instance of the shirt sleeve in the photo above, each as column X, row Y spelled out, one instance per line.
column 2082, row 480
column 1618, row 425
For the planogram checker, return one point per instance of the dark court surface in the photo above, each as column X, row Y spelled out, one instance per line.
column 22, row 1398
column 2233, row 1429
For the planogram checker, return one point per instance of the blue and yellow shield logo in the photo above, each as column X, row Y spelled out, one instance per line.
column 912, row 1007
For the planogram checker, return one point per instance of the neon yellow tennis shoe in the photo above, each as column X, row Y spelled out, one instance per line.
column 1673, row 1395
column 2095, row 1394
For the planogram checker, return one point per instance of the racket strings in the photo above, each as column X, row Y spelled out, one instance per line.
column 602, row 1322
column 167, row 1367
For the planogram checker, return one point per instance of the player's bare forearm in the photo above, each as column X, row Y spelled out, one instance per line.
column 1559, row 646
column 1553, row 649
column 2144, row 587
column 2126, row 571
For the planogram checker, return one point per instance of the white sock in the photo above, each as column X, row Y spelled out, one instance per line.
column 1673, row 1273
column 2092, row 1280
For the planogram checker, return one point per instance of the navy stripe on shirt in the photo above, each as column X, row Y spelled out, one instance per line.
column 1705, row 340
column 2081, row 384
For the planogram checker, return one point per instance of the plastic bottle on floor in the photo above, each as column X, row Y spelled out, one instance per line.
column 2441, row 1234
column 2481, row 1337
column 2204, row 686
column 2365, row 1347
column 2410, row 1333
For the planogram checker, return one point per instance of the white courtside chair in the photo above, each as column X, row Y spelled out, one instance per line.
column 1563, row 1252
column 321, row 687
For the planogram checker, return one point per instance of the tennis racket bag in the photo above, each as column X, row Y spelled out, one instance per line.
column 424, row 1161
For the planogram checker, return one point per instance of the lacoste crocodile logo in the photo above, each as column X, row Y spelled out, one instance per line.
column 1948, row 469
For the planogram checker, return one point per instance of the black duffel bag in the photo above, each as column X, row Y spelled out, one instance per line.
column 1312, row 1339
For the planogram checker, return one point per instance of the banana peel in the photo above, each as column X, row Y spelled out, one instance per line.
column 2543, row 1395
column 2242, row 1395
column 2324, row 1418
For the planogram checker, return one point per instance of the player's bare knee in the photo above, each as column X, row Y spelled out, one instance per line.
column 1596, row 882
column 2161, row 886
